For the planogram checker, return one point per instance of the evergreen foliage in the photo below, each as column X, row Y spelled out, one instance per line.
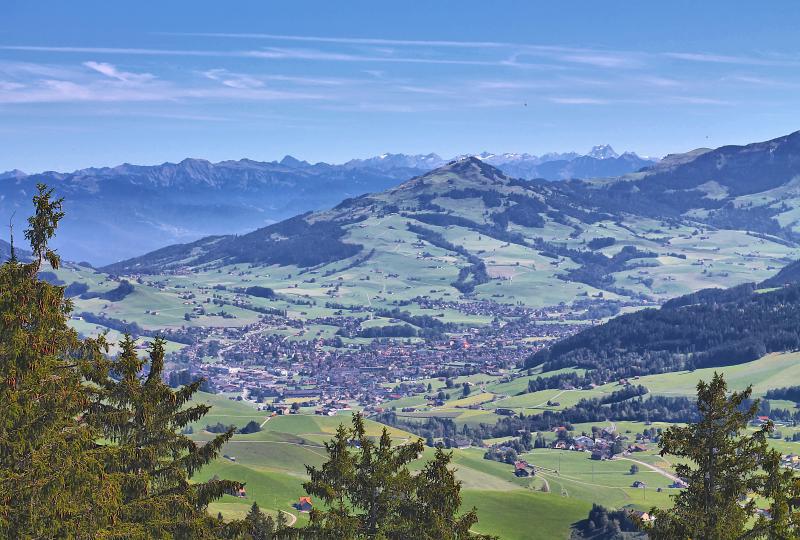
column 725, row 470
column 708, row 328
column 368, row 491
column 90, row 447
column 143, row 417
column 52, row 480
column 605, row 524
column 258, row 525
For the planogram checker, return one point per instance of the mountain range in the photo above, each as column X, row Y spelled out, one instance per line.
column 712, row 218
column 141, row 208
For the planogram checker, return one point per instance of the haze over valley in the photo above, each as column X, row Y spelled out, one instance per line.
column 146, row 207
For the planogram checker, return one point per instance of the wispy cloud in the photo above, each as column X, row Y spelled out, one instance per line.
column 7, row 85
column 271, row 53
column 111, row 71
column 425, row 90
column 699, row 100
column 731, row 59
column 661, row 82
column 505, row 74
column 601, row 60
column 120, row 50
column 116, row 85
column 352, row 40
column 233, row 80
column 277, row 53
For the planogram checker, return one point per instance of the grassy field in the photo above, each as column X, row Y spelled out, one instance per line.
column 272, row 463
column 771, row 371
column 708, row 258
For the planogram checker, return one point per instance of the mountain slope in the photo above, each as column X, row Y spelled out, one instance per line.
column 709, row 328
column 141, row 208
column 754, row 187
column 471, row 228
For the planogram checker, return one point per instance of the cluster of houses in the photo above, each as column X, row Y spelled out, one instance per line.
column 791, row 461
column 603, row 444
column 277, row 357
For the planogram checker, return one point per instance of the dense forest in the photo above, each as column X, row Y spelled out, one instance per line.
column 713, row 327
column 790, row 393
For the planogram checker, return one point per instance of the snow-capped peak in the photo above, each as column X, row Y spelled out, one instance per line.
column 602, row 151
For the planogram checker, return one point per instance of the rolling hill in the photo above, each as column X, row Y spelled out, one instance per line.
column 754, row 187
column 708, row 328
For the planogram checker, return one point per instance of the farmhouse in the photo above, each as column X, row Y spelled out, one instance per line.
column 521, row 469
column 304, row 504
column 584, row 441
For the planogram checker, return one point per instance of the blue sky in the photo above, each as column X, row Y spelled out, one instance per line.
column 91, row 83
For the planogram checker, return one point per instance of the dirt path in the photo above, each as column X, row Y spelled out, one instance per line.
column 546, row 483
column 560, row 478
column 653, row 468
column 542, row 404
column 292, row 518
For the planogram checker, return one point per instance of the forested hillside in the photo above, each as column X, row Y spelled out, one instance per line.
column 713, row 327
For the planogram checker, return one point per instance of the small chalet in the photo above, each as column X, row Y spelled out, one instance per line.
column 462, row 442
column 584, row 441
column 639, row 484
column 521, row 469
column 644, row 516
column 304, row 504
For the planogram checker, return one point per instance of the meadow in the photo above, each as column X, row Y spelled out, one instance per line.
column 272, row 463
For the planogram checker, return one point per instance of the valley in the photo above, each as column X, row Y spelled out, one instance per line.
column 460, row 306
column 380, row 271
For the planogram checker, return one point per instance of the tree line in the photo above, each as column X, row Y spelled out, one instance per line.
column 709, row 328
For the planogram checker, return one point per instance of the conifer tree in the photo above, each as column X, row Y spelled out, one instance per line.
column 725, row 469
column 143, row 417
column 259, row 525
column 369, row 493
column 52, row 482
column 281, row 525
column 781, row 487
column 438, row 499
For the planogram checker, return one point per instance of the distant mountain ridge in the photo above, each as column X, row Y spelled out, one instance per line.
column 5, row 252
column 140, row 208
column 566, row 221
column 115, row 212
